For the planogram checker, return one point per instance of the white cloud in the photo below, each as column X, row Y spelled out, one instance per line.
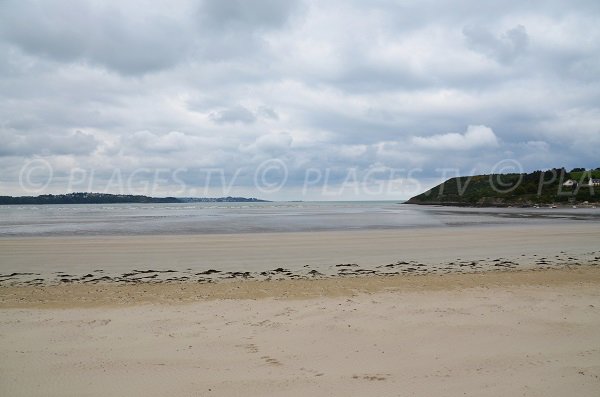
column 476, row 136
column 273, row 145
column 171, row 142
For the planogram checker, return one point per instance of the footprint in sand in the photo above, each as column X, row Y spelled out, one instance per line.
column 272, row 361
column 250, row 347
column 95, row 323
column 312, row 371
column 371, row 377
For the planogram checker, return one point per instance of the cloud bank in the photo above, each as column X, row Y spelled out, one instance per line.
column 339, row 85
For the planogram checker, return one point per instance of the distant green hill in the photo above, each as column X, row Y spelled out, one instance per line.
column 539, row 187
column 104, row 198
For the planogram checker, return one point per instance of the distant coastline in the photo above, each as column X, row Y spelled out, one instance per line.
column 105, row 198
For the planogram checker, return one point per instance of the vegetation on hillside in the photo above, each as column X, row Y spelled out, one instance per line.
column 539, row 187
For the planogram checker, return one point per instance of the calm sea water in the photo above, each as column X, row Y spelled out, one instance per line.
column 199, row 218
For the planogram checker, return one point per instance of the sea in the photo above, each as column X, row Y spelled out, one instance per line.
column 262, row 217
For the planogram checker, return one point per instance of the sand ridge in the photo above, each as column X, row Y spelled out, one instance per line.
column 107, row 294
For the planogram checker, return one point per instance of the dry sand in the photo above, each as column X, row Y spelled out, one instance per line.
column 495, row 334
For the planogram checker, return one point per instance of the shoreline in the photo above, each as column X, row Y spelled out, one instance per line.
column 280, row 219
column 41, row 261
column 529, row 205
column 119, row 295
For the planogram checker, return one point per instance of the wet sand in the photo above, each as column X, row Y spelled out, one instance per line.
column 531, row 333
column 207, row 258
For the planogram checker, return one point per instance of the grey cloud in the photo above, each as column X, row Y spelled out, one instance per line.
column 244, row 15
column 146, row 141
column 236, row 114
column 505, row 48
column 270, row 144
column 233, row 29
column 267, row 112
column 142, row 36
column 77, row 143
column 95, row 33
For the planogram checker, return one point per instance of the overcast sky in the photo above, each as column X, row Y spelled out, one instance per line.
column 333, row 91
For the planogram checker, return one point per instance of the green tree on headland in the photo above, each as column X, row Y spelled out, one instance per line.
column 539, row 187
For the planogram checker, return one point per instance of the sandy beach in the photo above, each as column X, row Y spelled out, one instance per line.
column 480, row 311
column 299, row 198
column 532, row 333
